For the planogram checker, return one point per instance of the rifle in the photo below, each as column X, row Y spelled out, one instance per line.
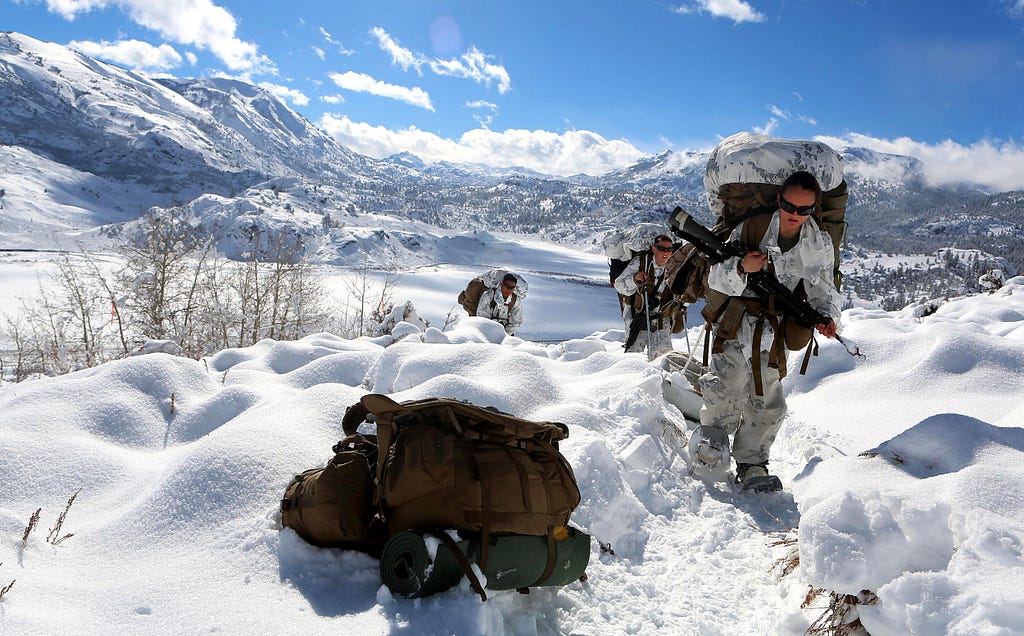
column 636, row 325
column 763, row 283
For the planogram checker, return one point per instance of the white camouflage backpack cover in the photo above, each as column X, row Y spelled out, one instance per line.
column 622, row 245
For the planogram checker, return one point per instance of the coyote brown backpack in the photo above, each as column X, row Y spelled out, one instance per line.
column 442, row 464
column 450, row 464
column 333, row 506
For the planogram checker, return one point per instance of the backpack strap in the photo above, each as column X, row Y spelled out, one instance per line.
column 461, row 559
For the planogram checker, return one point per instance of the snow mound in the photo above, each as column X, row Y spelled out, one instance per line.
column 933, row 518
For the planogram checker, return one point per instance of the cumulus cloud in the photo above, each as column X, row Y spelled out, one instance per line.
column 565, row 153
column 736, row 10
column 474, row 64
column 332, row 99
column 998, row 166
column 131, row 53
column 198, row 23
column 363, row 83
column 285, row 94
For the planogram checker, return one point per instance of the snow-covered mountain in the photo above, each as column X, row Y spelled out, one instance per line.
column 84, row 143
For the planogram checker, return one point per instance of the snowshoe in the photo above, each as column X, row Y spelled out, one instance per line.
column 755, row 478
column 709, row 450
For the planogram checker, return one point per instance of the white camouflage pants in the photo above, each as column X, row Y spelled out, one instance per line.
column 730, row 402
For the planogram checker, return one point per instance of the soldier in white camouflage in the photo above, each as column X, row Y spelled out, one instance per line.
column 643, row 283
column 798, row 252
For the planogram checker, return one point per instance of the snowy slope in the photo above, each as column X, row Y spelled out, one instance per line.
column 181, row 464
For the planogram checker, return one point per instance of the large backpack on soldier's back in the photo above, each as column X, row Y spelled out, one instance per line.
column 742, row 181
column 469, row 298
column 622, row 246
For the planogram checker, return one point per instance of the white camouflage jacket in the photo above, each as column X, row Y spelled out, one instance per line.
column 810, row 260
column 493, row 306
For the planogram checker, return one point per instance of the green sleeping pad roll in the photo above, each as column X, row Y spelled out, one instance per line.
column 513, row 562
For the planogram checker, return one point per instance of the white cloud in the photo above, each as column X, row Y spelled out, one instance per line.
column 332, row 99
column 341, row 47
column 1016, row 8
column 131, row 53
column 198, row 23
column 990, row 164
column 565, row 153
column 474, row 64
column 285, row 94
column 482, row 104
column 736, row 10
column 788, row 116
column 319, row 52
column 363, row 83
column 400, row 56
column 768, row 128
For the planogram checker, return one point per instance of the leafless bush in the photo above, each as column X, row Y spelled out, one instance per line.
column 172, row 286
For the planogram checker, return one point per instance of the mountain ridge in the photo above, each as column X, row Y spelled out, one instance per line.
column 118, row 142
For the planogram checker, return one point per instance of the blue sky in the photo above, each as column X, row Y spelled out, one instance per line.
column 589, row 85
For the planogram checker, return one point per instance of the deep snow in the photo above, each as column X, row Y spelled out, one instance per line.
column 180, row 466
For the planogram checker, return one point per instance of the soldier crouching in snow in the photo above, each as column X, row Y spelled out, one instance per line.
column 501, row 303
column 742, row 390
column 643, row 284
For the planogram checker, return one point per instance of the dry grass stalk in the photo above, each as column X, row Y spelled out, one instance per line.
column 785, row 537
column 841, row 617
column 54, row 536
column 785, row 566
column 895, row 456
column 32, row 521
column 6, row 589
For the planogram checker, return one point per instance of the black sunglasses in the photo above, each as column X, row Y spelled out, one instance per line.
column 662, row 248
column 806, row 210
column 508, row 285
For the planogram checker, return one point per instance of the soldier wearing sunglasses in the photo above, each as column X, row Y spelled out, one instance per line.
column 502, row 303
column 742, row 390
column 643, row 282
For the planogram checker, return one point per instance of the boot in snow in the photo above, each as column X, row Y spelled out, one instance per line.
column 755, row 477
column 709, row 450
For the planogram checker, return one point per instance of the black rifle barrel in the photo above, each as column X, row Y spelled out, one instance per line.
column 764, row 284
